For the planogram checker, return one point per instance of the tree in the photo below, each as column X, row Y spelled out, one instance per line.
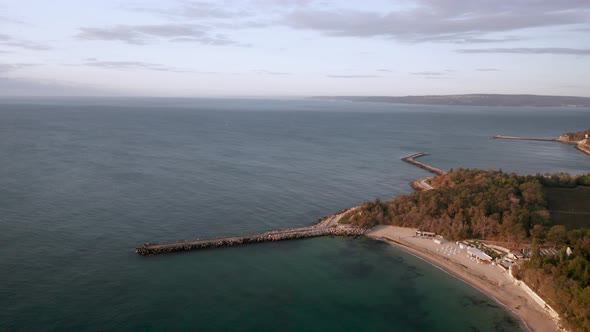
column 557, row 235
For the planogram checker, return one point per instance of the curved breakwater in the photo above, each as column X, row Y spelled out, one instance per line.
column 412, row 160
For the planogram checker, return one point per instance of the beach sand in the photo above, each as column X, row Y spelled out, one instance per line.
column 490, row 279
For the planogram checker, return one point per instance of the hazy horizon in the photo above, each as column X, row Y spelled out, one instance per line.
column 293, row 48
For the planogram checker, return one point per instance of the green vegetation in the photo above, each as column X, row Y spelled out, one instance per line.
column 467, row 204
column 492, row 205
column 577, row 136
column 564, row 280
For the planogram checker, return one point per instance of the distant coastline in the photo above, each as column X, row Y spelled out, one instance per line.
column 505, row 100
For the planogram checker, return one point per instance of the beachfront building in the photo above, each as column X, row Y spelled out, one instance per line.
column 425, row 234
column 479, row 255
column 515, row 255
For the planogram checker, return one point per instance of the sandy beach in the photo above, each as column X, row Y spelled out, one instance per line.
column 490, row 279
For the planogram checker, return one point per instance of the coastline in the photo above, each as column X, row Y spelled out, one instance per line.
column 488, row 279
column 583, row 148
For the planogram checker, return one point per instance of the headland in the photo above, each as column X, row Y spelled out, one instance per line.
column 492, row 279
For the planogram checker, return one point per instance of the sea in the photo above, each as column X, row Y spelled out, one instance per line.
column 83, row 181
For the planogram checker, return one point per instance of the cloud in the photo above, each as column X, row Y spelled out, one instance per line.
column 487, row 69
column 429, row 73
column 139, row 34
column 195, row 10
column 6, row 40
column 459, row 21
column 8, row 67
column 269, row 72
column 132, row 65
column 353, row 76
column 5, row 19
column 216, row 40
column 472, row 40
column 27, row 45
column 145, row 34
column 13, row 87
column 528, row 50
column 383, row 70
column 213, row 14
column 435, row 75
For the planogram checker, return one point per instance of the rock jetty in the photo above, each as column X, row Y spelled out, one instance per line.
column 412, row 160
column 326, row 227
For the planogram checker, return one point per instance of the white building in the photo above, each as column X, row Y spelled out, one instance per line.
column 479, row 255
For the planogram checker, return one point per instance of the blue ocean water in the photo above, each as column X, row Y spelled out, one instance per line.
column 84, row 181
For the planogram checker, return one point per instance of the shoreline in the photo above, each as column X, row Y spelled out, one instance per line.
column 583, row 148
column 487, row 279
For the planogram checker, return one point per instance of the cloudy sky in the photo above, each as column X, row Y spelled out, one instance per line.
column 294, row 48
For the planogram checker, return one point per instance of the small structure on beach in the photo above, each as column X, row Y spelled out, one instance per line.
column 479, row 255
column 425, row 234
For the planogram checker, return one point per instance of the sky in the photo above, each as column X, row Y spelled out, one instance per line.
column 293, row 47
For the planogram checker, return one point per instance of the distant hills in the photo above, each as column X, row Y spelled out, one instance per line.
column 473, row 100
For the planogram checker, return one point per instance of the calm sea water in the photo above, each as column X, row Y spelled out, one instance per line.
column 84, row 181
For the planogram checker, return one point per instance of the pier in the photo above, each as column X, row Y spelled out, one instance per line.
column 411, row 159
column 581, row 145
column 527, row 138
column 328, row 226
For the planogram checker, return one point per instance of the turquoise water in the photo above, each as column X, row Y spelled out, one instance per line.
column 84, row 181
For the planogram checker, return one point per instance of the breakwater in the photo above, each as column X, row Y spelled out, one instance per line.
column 527, row 138
column 411, row 159
column 326, row 227
column 579, row 145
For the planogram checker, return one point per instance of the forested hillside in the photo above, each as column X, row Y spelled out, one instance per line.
column 467, row 204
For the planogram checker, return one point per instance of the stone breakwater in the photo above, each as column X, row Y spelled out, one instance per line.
column 580, row 145
column 411, row 159
column 326, row 227
column 520, row 138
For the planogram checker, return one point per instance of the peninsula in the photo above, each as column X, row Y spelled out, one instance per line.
column 473, row 100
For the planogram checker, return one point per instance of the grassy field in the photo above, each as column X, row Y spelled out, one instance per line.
column 569, row 206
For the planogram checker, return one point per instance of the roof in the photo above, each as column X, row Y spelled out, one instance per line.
column 425, row 232
column 479, row 254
